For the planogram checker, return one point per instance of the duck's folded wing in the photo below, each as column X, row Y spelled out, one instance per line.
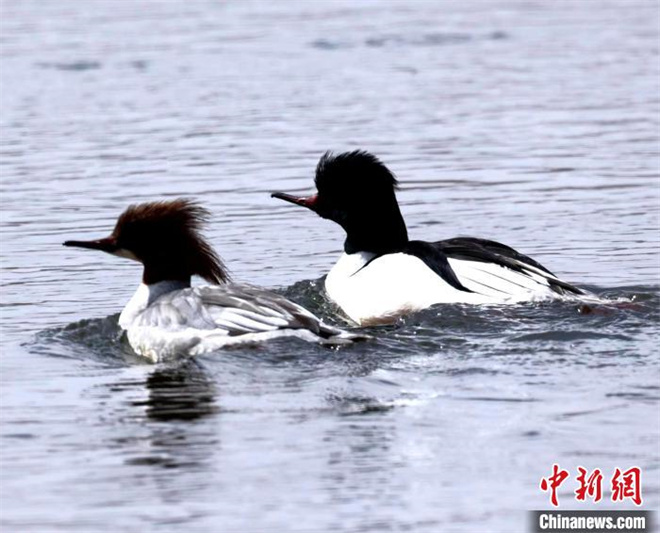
column 484, row 260
column 244, row 309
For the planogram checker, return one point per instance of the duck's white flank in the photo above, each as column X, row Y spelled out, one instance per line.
column 395, row 284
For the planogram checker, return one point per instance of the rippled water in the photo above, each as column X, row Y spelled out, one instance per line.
column 533, row 123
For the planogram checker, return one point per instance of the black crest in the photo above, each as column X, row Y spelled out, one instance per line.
column 358, row 173
column 356, row 190
column 166, row 237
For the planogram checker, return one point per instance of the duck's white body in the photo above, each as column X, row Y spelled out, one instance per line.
column 383, row 274
column 377, row 290
column 169, row 318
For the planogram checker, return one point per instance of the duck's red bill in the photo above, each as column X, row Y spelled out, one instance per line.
column 305, row 201
column 105, row 245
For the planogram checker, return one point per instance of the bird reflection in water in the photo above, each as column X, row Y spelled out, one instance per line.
column 182, row 393
column 177, row 399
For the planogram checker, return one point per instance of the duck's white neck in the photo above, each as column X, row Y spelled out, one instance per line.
column 145, row 296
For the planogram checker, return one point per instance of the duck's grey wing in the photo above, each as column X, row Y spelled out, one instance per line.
column 242, row 309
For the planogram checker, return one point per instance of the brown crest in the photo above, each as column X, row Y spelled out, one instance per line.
column 166, row 237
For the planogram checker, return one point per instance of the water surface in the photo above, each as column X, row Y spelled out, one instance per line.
column 535, row 124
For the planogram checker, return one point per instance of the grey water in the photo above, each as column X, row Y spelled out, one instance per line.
column 533, row 123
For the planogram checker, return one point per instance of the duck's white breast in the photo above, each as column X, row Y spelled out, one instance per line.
column 387, row 287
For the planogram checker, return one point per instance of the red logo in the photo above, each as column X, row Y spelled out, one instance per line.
column 630, row 487
column 624, row 485
column 591, row 486
column 553, row 482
